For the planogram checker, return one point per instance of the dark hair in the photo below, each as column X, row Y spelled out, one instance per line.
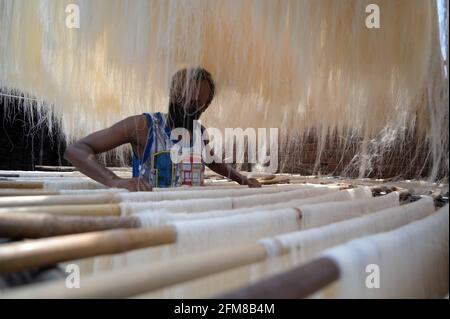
column 184, row 78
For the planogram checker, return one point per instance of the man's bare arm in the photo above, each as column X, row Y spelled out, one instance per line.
column 82, row 153
column 227, row 170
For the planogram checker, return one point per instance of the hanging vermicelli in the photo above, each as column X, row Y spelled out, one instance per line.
column 101, row 263
column 129, row 207
column 63, row 248
column 34, row 223
column 412, row 262
column 327, row 213
column 216, row 193
column 373, row 223
column 109, row 203
column 73, row 184
column 311, row 215
column 237, row 222
column 302, row 246
column 201, row 205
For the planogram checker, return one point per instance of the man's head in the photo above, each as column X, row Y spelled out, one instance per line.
column 191, row 92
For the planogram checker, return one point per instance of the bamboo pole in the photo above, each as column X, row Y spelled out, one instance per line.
column 96, row 209
column 34, row 192
column 47, row 168
column 140, row 279
column 41, row 200
column 26, row 192
column 32, row 253
column 299, row 282
column 108, row 197
column 99, row 210
column 261, row 175
column 276, row 180
column 26, row 225
column 21, row 185
column 13, row 184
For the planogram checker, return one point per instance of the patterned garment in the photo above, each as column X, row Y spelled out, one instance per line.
column 156, row 166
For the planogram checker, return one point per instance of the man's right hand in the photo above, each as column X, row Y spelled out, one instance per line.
column 132, row 184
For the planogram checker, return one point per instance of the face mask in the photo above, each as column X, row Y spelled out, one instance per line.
column 181, row 118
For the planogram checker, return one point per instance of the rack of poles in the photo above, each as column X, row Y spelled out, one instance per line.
column 61, row 227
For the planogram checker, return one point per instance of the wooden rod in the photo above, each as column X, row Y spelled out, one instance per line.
column 39, row 252
column 131, row 281
column 72, row 210
column 47, row 168
column 28, row 225
column 48, row 200
column 299, row 282
column 26, row 192
column 21, row 185
column 46, row 197
column 276, row 180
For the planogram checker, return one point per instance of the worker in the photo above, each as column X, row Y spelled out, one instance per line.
column 191, row 92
